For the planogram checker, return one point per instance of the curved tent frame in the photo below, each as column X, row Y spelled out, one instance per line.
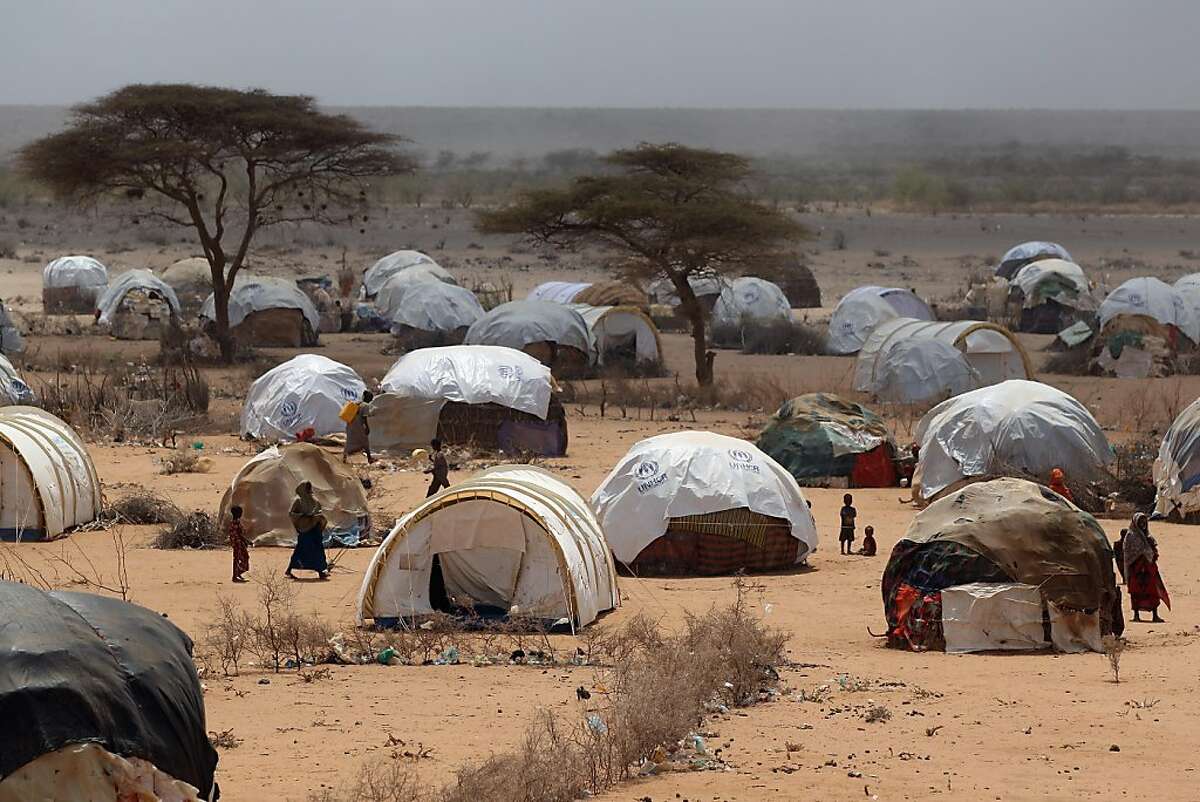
column 126, row 283
column 1177, row 468
column 605, row 323
column 585, row 564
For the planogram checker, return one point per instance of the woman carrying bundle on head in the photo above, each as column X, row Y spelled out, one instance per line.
column 309, row 523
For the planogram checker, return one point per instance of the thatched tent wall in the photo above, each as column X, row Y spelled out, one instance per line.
column 719, row 543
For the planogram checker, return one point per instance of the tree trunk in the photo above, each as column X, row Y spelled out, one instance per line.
column 694, row 312
column 221, row 331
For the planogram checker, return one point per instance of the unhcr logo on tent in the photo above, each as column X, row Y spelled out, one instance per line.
column 648, row 476
column 510, row 372
column 348, row 393
column 289, row 411
column 742, row 461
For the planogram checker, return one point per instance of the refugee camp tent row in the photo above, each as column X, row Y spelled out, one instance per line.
column 416, row 265
column 307, row 392
column 490, row 396
column 265, row 486
column 821, row 438
column 1177, row 468
column 1005, row 564
column 1027, row 253
column 623, row 335
column 102, row 702
column 137, row 305
column 1144, row 325
column 48, row 483
column 427, row 314
column 268, row 311
column 909, row 361
column 862, row 310
column 554, row 334
column 1050, row 295
column 699, row 503
column 603, row 293
column 1017, row 427
column 513, row 540
column 72, row 285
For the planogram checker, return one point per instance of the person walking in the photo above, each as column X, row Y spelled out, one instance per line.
column 439, row 467
column 358, row 430
column 236, row 533
column 309, row 523
column 1146, row 588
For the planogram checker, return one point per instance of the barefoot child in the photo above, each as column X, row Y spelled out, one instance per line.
column 846, row 537
column 238, row 542
column 869, row 548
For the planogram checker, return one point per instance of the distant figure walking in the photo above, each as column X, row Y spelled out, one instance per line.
column 1058, row 483
column 438, row 467
column 869, row 547
column 238, row 542
column 1146, row 588
column 358, row 431
column 1119, row 554
column 846, row 536
column 309, row 523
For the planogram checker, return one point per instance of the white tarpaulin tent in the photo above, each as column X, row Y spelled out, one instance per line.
column 661, row 291
column 561, row 292
column 753, row 299
column 1018, row 425
column 13, row 389
column 518, row 324
column 1189, row 287
column 260, row 293
column 308, row 390
column 76, row 271
column 399, row 282
column 1020, row 255
column 513, row 538
column 1177, row 469
column 619, row 327
column 1035, row 273
column 695, row 473
column 126, row 283
column 899, row 362
column 1008, row 616
column 48, row 483
column 863, row 309
column 401, row 261
column 1152, row 298
column 429, row 306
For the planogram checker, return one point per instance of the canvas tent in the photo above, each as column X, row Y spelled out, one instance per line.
column 268, row 311
column 1144, row 323
column 913, row 361
column 820, row 435
column 862, row 310
column 306, row 392
column 72, row 284
column 622, row 334
column 1028, row 252
column 1177, row 468
column 1051, row 294
column 489, row 396
column 102, row 692
column 266, row 486
column 554, row 334
column 1022, row 426
column 425, row 314
column 1001, row 565
column 512, row 540
column 420, row 265
column 751, row 300
column 137, row 305
column 702, row 503
column 13, row 389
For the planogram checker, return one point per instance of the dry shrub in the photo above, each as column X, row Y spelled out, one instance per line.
column 1133, row 471
column 751, row 392
column 185, row 460
column 1113, row 647
column 143, row 507
column 196, row 530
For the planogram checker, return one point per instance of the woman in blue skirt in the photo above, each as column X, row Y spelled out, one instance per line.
column 309, row 554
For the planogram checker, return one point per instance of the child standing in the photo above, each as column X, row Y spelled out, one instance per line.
column 237, row 540
column 846, row 537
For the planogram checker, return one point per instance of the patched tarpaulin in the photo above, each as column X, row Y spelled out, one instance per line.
column 1177, row 469
column 413, row 262
column 821, row 434
column 518, row 324
column 1150, row 297
column 259, row 293
column 1021, row 255
column 78, row 668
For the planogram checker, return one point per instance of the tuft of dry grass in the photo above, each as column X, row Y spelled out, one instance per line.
column 185, row 460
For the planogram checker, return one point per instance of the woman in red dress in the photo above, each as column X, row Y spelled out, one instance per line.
column 1146, row 588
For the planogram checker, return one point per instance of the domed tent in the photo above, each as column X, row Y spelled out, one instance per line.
column 102, row 692
column 613, row 293
column 1016, row 427
column 1028, row 252
column 749, row 301
column 427, row 314
column 910, row 361
column 862, row 310
column 487, row 396
column 1177, row 469
column 623, row 334
column 513, row 539
column 554, row 334
column 1189, row 287
column 699, row 503
column 820, row 435
column 268, row 311
column 13, row 389
column 414, row 263
column 72, row 284
column 266, row 486
column 191, row 279
column 138, row 305
column 706, row 288
column 560, row 292
column 1051, row 294
column 987, row 567
column 1144, row 323
column 306, row 392
column 48, row 483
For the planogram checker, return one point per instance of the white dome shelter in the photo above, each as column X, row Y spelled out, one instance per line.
column 706, row 288
column 561, row 292
column 892, row 367
column 48, row 483
column 72, row 285
column 1177, row 469
column 307, row 391
column 749, row 299
column 1151, row 298
column 1027, row 252
column 135, row 305
column 512, row 540
column 1017, row 425
column 622, row 331
column 1189, row 287
column 1053, row 293
column 434, row 307
column 555, row 334
column 401, row 261
column 862, row 310
column 268, row 311
column 702, row 503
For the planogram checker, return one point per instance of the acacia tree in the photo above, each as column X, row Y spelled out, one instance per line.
column 224, row 162
column 673, row 212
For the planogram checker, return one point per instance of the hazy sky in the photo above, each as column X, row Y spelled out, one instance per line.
column 753, row 53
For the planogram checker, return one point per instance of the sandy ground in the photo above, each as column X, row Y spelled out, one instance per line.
column 1013, row 728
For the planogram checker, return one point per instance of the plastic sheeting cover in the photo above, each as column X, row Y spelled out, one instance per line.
column 429, row 306
column 126, row 283
column 259, row 293
column 810, row 433
column 617, row 326
column 561, row 292
column 1177, row 468
column 517, row 324
column 378, row 274
column 75, row 271
column 751, row 298
column 861, row 310
column 661, row 291
column 1056, row 279
column 1028, row 251
column 695, row 473
column 308, row 390
column 14, row 390
column 472, row 374
column 922, row 370
column 1152, row 298
column 992, row 616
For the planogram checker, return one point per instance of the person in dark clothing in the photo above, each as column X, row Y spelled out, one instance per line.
column 846, row 536
column 869, row 547
column 438, row 467
column 1119, row 554
column 236, row 533
column 309, row 523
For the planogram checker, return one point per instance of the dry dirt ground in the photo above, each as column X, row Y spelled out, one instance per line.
column 1003, row 727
